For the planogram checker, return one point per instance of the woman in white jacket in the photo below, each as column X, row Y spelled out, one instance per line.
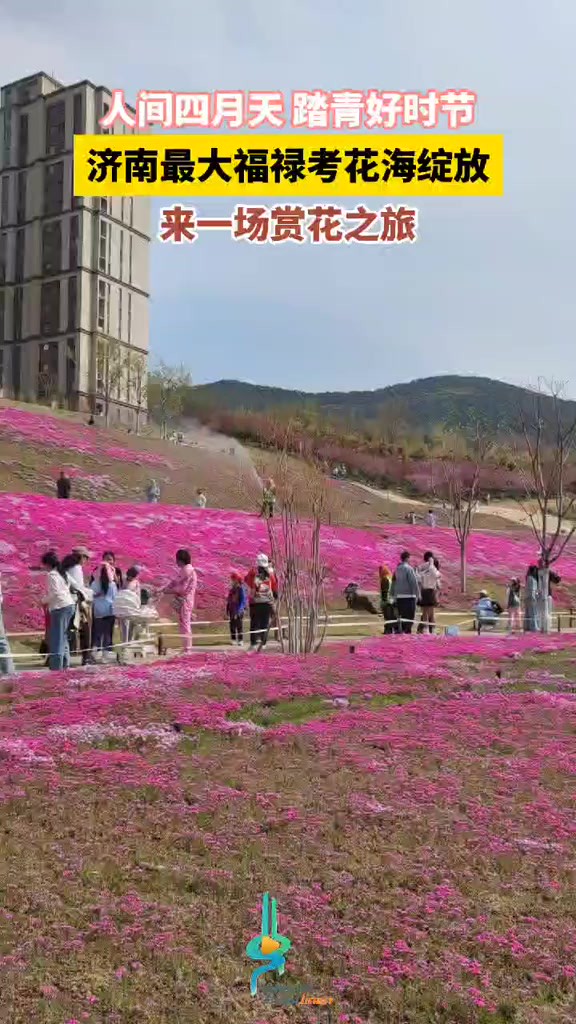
column 429, row 578
column 58, row 599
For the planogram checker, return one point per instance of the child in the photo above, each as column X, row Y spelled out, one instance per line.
column 126, row 607
column 513, row 605
column 235, row 608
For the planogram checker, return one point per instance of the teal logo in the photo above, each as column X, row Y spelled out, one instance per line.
column 269, row 946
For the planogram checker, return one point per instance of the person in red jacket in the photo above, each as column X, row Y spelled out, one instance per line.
column 262, row 588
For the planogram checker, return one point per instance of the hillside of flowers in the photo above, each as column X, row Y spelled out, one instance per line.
column 222, row 540
column 49, row 432
column 410, row 806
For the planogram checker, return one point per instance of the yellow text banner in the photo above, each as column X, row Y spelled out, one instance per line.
column 288, row 165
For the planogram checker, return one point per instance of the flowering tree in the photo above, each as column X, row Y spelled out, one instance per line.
column 138, row 384
column 461, row 492
column 548, row 438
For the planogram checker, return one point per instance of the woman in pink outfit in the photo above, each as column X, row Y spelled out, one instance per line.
column 184, row 589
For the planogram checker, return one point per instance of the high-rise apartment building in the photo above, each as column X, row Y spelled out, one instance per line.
column 74, row 273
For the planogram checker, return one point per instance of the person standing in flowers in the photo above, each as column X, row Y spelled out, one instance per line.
column 429, row 579
column 6, row 663
column 386, row 605
column 63, row 485
column 262, row 588
column 153, row 493
column 201, row 498
column 76, row 574
column 514, row 604
column 127, row 605
column 104, row 590
column 184, row 587
column 269, row 500
column 531, row 596
column 109, row 560
column 405, row 593
column 235, row 608
column 58, row 599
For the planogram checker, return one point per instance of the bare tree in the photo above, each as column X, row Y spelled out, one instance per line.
column 111, row 372
column 294, row 532
column 548, row 433
column 166, row 389
column 461, row 491
column 138, row 384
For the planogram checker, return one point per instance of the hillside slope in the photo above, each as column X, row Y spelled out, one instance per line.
column 450, row 400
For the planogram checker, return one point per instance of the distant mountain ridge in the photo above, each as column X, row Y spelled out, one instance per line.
column 450, row 400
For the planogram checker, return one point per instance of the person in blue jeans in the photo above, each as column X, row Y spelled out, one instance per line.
column 104, row 589
column 59, row 601
column 6, row 663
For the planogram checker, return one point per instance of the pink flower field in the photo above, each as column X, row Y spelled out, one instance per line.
column 221, row 541
column 411, row 811
column 49, row 432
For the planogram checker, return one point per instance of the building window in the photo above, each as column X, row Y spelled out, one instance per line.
column 130, row 245
column 2, row 312
column 1, row 364
column 72, row 302
column 105, row 110
column 5, row 199
column 16, row 368
column 20, row 249
column 101, row 305
column 70, row 367
column 103, row 205
column 73, row 244
column 129, row 318
column 21, row 201
column 56, row 127
column 103, row 247
column 78, row 114
column 17, row 327
column 3, row 255
column 53, row 188
column 50, row 308
column 120, row 298
column 121, row 274
column 122, row 208
column 23, row 140
column 131, row 211
column 48, row 370
column 52, row 247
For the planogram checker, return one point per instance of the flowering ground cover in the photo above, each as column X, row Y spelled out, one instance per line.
column 50, row 432
column 411, row 810
column 221, row 540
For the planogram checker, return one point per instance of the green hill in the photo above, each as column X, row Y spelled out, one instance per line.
column 450, row 400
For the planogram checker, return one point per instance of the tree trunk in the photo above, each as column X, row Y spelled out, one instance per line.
column 544, row 603
column 463, row 568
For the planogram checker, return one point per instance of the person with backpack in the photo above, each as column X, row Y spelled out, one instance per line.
column 262, row 587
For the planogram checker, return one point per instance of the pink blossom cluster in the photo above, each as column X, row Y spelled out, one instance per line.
column 49, row 432
column 221, row 541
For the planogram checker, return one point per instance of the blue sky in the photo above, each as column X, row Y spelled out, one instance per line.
column 486, row 290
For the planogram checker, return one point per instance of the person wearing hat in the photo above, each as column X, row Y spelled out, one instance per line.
column 262, row 587
column 485, row 613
